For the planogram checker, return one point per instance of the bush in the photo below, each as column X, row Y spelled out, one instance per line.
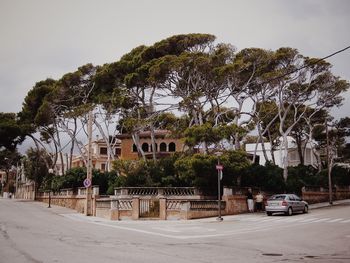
column 147, row 173
column 268, row 178
column 340, row 175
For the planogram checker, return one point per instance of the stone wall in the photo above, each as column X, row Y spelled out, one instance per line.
column 314, row 195
column 73, row 202
column 235, row 204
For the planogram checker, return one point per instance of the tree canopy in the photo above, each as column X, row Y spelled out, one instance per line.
column 208, row 93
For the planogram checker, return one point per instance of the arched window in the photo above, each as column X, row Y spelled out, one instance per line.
column 172, row 147
column 152, row 147
column 134, row 148
column 145, row 147
column 162, row 147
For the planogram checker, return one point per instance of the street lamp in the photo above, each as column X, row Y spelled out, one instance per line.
column 219, row 167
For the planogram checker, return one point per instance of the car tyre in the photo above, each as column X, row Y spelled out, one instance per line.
column 306, row 209
column 269, row 213
column 289, row 212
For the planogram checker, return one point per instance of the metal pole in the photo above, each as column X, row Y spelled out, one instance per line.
column 219, row 193
column 88, row 206
column 16, row 180
column 329, row 166
column 49, row 199
column 50, row 188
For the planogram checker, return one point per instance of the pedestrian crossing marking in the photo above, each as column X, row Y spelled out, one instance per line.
column 302, row 219
column 322, row 220
column 335, row 220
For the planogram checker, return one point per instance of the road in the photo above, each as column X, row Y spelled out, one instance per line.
column 31, row 232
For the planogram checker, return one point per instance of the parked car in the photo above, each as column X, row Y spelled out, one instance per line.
column 286, row 203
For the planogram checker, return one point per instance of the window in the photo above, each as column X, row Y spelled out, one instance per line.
column 293, row 156
column 145, row 147
column 103, row 150
column 103, row 167
column 163, row 147
column 155, row 147
column 172, row 147
column 134, row 148
column 118, row 151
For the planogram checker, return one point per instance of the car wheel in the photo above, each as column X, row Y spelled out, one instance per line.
column 289, row 212
column 269, row 213
column 306, row 209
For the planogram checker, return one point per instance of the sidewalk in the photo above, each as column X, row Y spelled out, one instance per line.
column 326, row 204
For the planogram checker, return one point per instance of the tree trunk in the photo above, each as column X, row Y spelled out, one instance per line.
column 272, row 151
column 136, row 140
column 153, row 142
column 285, row 157
column 300, row 150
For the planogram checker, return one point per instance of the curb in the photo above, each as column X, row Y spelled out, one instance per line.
column 327, row 204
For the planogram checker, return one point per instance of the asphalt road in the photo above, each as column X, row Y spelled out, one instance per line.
column 31, row 232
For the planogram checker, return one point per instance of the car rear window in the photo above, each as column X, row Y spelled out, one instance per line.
column 277, row 197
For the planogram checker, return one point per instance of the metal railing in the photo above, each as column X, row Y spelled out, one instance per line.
column 206, row 205
column 156, row 191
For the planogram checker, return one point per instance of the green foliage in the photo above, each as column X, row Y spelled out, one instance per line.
column 146, row 173
column 300, row 176
column 36, row 165
column 11, row 131
column 340, row 175
column 75, row 177
column 268, row 178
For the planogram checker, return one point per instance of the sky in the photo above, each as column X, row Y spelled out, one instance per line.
column 43, row 38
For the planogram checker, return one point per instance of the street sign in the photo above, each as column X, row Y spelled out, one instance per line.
column 87, row 182
column 219, row 167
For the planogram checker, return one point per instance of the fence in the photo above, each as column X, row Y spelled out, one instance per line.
column 170, row 203
column 157, row 203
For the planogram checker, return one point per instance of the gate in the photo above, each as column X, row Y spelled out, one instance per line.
column 149, row 208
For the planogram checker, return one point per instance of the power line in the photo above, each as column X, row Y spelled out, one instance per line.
column 306, row 66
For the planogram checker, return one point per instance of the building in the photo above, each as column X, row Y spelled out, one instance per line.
column 293, row 156
column 100, row 160
column 164, row 143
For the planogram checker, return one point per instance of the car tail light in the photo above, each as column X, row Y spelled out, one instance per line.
column 284, row 203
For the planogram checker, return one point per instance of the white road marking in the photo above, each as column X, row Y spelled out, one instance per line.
column 335, row 220
column 193, row 230
column 311, row 220
column 322, row 220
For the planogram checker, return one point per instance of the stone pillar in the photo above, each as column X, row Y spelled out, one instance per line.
column 227, row 191
column 114, row 210
column 184, row 212
column 162, row 208
column 135, row 208
column 230, row 204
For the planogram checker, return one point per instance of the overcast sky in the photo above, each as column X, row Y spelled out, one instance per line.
column 42, row 38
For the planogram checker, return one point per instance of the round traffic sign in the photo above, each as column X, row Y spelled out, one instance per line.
column 87, row 182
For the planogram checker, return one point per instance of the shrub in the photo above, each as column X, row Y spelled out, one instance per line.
column 268, row 178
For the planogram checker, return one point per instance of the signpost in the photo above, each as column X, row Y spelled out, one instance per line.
column 87, row 182
column 219, row 167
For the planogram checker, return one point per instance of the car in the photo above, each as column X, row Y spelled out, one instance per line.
column 286, row 203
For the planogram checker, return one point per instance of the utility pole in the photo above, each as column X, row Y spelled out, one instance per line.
column 329, row 166
column 219, row 168
column 88, row 180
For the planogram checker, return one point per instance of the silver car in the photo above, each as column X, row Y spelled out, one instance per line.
column 286, row 203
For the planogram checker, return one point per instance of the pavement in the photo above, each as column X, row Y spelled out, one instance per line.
column 63, row 210
column 327, row 204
